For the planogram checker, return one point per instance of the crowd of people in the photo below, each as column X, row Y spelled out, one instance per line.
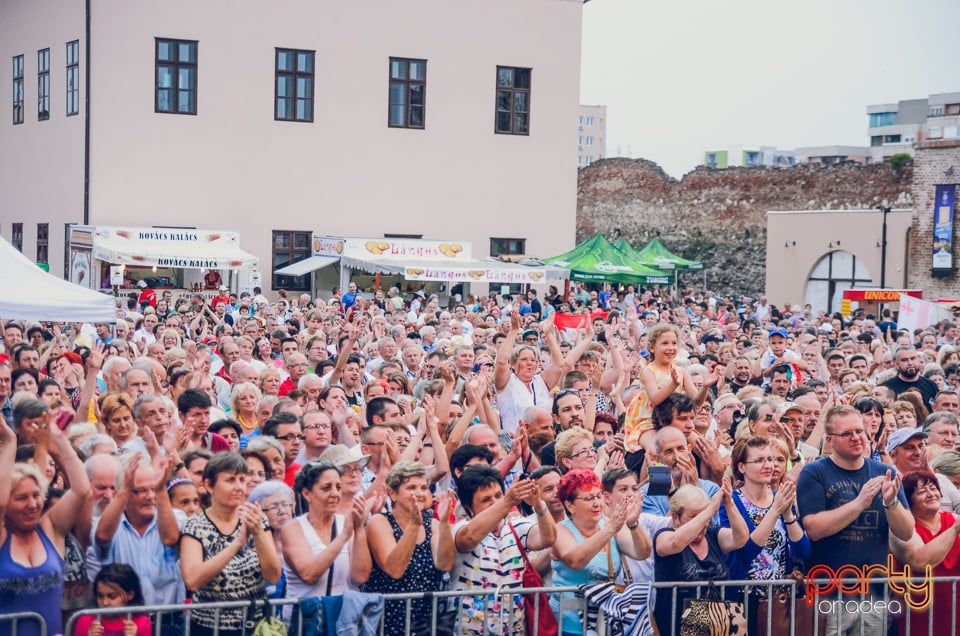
column 244, row 449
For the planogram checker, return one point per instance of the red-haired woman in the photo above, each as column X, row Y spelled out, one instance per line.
column 588, row 546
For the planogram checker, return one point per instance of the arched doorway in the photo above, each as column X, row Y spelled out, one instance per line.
column 833, row 273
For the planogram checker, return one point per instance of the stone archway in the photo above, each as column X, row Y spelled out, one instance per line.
column 833, row 273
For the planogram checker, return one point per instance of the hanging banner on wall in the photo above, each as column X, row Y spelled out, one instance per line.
column 943, row 227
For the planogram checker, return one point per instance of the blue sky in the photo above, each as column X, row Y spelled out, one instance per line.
column 681, row 76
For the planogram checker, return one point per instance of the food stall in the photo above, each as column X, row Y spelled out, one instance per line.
column 183, row 260
column 410, row 264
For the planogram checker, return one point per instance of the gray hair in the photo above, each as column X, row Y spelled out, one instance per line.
column 267, row 488
column 29, row 408
column 402, row 472
column 86, row 449
column 309, row 377
column 261, row 443
column 940, row 416
column 112, row 362
column 472, row 429
column 946, row 463
column 142, row 399
column 92, row 462
column 268, row 400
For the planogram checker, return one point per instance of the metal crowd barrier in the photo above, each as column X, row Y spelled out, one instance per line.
column 836, row 604
column 19, row 617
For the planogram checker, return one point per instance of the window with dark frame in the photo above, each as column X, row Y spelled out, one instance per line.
column 176, row 78
column 16, row 236
column 511, row 246
column 291, row 247
column 17, row 89
column 513, row 101
column 43, row 84
column 294, row 85
column 408, row 93
column 43, row 242
column 73, row 77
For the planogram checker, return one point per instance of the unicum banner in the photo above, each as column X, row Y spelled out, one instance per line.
column 943, row 227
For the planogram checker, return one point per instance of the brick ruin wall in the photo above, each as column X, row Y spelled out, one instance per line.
column 719, row 216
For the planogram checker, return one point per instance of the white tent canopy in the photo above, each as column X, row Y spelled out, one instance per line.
column 29, row 293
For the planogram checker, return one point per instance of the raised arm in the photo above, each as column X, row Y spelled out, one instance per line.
column 8, row 453
column 501, row 368
column 65, row 512
column 93, row 363
column 669, row 543
column 344, row 353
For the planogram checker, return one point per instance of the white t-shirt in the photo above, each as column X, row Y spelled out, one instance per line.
column 516, row 397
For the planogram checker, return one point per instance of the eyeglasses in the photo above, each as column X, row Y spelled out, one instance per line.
column 277, row 507
column 373, row 443
column 351, row 468
column 591, row 498
column 859, row 432
column 585, row 451
column 314, row 427
column 289, row 437
column 762, row 460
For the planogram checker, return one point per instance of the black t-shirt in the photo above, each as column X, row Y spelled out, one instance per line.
column 926, row 387
column 686, row 566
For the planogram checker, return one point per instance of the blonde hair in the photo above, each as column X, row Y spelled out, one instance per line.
column 687, row 496
column 658, row 330
column 22, row 470
column 566, row 441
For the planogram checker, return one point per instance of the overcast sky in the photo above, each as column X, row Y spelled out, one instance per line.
column 681, row 76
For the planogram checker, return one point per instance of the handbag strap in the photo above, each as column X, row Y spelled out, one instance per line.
column 333, row 535
column 523, row 553
column 610, row 575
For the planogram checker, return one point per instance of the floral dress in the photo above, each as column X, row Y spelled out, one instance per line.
column 494, row 563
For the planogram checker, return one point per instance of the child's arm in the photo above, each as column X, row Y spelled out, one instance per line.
column 657, row 394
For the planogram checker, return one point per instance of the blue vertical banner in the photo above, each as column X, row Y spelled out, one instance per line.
column 943, row 227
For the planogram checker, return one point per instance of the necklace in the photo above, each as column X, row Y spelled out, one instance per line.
column 244, row 424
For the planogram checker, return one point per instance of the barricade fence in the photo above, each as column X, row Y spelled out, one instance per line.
column 17, row 619
column 917, row 605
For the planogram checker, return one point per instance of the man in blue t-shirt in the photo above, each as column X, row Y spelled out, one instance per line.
column 848, row 505
column 351, row 297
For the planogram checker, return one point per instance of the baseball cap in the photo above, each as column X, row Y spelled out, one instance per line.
column 141, row 283
column 420, row 293
column 777, row 331
column 223, row 288
column 529, row 332
column 786, row 407
column 902, row 435
column 826, row 328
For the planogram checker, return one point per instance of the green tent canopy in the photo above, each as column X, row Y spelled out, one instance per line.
column 597, row 260
column 656, row 254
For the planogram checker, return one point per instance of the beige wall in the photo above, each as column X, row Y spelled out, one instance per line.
column 857, row 231
column 41, row 162
column 233, row 166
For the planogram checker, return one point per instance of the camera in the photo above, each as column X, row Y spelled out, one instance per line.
column 738, row 417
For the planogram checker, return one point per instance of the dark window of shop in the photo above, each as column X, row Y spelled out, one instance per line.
column 294, row 85
column 513, row 101
column 43, row 84
column 43, row 242
column 73, row 77
column 510, row 246
column 408, row 93
column 17, row 236
column 288, row 248
column 176, row 89
column 18, row 89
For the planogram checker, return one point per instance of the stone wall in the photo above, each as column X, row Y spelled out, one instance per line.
column 719, row 216
column 936, row 163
